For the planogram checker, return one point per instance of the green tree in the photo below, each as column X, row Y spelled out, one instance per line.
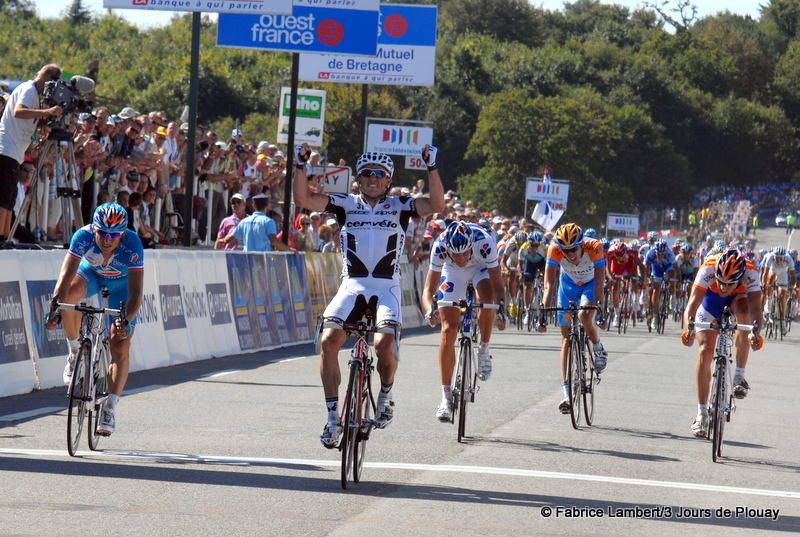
column 78, row 14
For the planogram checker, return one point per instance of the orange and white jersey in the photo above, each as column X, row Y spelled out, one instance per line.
column 593, row 256
column 706, row 277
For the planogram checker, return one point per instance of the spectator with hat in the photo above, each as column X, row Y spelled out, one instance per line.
column 229, row 223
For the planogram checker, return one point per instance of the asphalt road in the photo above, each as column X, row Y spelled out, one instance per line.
column 230, row 447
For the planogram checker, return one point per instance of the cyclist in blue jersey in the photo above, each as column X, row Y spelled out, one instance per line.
column 102, row 254
column 661, row 261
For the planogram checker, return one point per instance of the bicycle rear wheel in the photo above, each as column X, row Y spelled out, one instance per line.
column 78, row 388
column 717, row 422
column 574, row 357
column 465, row 366
column 350, row 423
column 367, row 411
column 100, row 395
column 589, row 382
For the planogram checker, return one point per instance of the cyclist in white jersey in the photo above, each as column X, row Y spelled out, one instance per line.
column 777, row 269
column 465, row 253
column 372, row 236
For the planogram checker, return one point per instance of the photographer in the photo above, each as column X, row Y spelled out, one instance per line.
column 16, row 129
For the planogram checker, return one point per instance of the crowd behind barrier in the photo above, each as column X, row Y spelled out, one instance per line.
column 198, row 304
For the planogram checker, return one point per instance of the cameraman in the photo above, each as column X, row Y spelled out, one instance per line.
column 16, row 129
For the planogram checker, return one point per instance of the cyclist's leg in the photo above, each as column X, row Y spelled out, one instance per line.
column 706, row 340
column 388, row 319
column 119, row 344
column 82, row 284
column 587, row 318
column 741, row 310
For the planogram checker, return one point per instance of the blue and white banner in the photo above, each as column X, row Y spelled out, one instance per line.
column 332, row 30
column 258, row 7
column 406, row 52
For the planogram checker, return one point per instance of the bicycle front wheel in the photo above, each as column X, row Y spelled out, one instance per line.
column 350, row 424
column 589, row 382
column 367, row 411
column 100, row 394
column 466, row 381
column 717, row 418
column 574, row 358
column 78, row 391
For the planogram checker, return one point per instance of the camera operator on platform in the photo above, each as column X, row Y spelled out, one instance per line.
column 17, row 126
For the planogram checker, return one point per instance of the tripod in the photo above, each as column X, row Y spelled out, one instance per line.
column 68, row 188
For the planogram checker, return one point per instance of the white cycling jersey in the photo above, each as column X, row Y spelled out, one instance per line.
column 781, row 270
column 484, row 250
column 372, row 238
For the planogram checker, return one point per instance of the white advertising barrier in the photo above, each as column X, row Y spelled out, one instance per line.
column 188, row 310
column 149, row 345
column 40, row 270
column 17, row 373
column 170, row 274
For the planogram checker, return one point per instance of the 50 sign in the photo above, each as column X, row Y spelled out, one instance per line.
column 415, row 163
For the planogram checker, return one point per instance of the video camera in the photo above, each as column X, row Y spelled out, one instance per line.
column 68, row 96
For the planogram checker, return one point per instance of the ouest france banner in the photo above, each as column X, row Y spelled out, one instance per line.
column 255, row 7
column 341, row 27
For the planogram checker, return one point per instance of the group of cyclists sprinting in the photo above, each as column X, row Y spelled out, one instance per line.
column 571, row 265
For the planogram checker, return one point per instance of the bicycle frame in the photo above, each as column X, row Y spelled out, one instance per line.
column 581, row 385
column 720, row 400
column 357, row 419
column 464, row 384
column 88, row 390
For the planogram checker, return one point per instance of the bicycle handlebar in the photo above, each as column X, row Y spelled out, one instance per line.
column 88, row 309
column 463, row 304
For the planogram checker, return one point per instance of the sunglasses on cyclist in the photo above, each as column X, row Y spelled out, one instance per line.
column 380, row 174
column 567, row 251
column 110, row 234
column 726, row 284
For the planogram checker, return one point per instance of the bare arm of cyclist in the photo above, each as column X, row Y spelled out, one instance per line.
column 431, row 285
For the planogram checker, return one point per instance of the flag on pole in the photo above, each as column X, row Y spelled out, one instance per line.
column 543, row 213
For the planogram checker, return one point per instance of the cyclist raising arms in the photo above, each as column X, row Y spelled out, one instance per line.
column 726, row 279
column 103, row 254
column 582, row 264
column 373, row 227
column 465, row 253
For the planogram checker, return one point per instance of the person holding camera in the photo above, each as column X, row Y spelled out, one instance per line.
column 16, row 129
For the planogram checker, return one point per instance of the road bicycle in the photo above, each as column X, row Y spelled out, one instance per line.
column 520, row 305
column 536, row 299
column 87, row 392
column 685, row 287
column 662, row 313
column 608, row 303
column 582, row 377
column 464, row 385
column 358, row 417
column 775, row 326
column 721, row 402
column 626, row 301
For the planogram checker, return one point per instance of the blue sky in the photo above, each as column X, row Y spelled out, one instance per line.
column 144, row 19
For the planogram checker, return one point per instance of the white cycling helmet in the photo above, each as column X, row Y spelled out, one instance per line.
column 373, row 157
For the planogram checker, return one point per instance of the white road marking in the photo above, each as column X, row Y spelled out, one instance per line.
column 144, row 389
column 32, row 413
column 220, row 373
column 205, row 459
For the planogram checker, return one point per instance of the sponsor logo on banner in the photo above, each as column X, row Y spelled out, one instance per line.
column 48, row 343
column 148, row 311
column 555, row 191
column 406, row 52
column 14, row 342
column 172, row 311
column 398, row 140
column 331, row 29
column 219, row 306
column 623, row 222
